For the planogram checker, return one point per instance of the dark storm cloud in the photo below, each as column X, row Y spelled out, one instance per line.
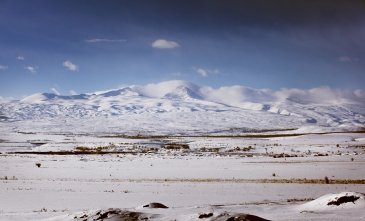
column 198, row 13
column 329, row 23
column 197, row 16
column 258, row 43
column 228, row 13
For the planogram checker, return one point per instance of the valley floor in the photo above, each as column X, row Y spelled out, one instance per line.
column 270, row 177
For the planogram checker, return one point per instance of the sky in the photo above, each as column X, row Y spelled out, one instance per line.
column 80, row 46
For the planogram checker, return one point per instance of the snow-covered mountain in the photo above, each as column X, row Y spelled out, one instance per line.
column 182, row 106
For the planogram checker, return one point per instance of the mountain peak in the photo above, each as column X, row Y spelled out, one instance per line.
column 320, row 106
column 162, row 89
column 127, row 91
column 183, row 93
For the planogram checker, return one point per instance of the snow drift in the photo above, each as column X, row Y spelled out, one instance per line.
column 344, row 200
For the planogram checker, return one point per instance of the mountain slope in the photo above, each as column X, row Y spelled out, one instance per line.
column 182, row 106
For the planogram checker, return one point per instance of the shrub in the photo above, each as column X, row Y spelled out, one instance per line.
column 326, row 180
column 175, row 146
column 98, row 149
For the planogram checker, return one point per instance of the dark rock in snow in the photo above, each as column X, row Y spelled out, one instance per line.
column 112, row 215
column 343, row 199
column 156, row 206
column 205, row 215
column 238, row 217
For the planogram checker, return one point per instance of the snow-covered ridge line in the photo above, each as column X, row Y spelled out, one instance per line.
column 183, row 106
column 227, row 94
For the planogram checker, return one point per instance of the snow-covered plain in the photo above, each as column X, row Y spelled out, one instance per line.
column 274, row 178
column 203, row 152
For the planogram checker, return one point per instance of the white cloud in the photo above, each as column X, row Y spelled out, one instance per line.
column 20, row 58
column 55, row 91
column 202, row 72
column 97, row 40
column 162, row 88
column 164, row 44
column 254, row 99
column 6, row 99
column 344, row 59
column 359, row 93
column 240, row 95
column 31, row 69
column 2, row 67
column 72, row 92
column 205, row 72
column 70, row 66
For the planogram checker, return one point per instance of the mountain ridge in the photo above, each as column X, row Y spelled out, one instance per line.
column 322, row 107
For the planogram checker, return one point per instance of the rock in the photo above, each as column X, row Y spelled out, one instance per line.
column 335, row 201
column 112, row 214
column 343, row 199
column 156, row 206
column 238, row 217
column 205, row 215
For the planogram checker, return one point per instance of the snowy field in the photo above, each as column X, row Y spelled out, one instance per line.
column 65, row 176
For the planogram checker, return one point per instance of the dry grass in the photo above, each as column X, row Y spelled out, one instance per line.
column 289, row 181
column 175, row 146
column 65, row 153
column 247, row 134
column 95, row 149
column 294, row 200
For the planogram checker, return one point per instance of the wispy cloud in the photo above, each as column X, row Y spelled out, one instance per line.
column 72, row 92
column 164, row 44
column 202, row 72
column 3, row 67
column 20, row 58
column 344, row 59
column 347, row 59
column 70, row 66
column 31, row 69
column 54, row 90
column 205, row 72
column 254, row 98
column 106, row 40
column 359, row 93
